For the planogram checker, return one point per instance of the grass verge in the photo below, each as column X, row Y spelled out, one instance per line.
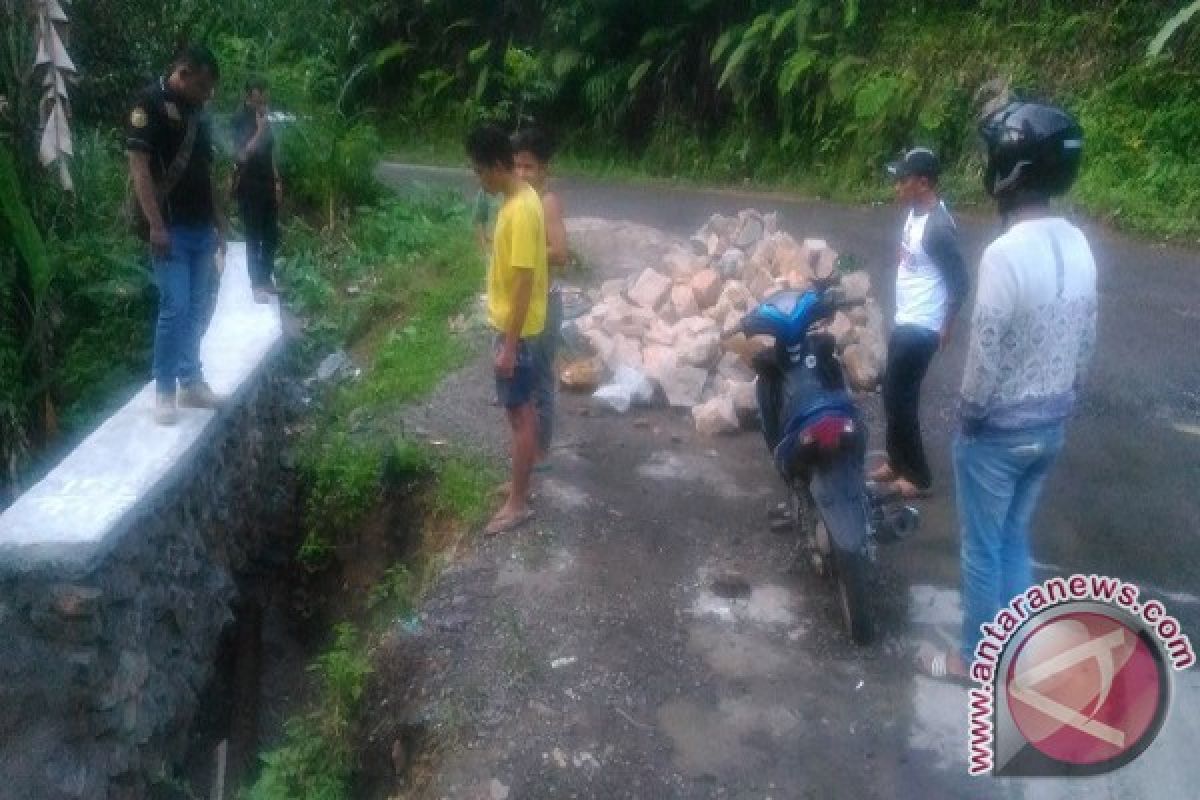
column 385, row 286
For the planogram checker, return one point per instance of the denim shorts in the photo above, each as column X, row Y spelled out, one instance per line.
column 516, row 391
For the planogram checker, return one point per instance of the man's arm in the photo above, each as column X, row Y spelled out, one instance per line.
column 941, row 243
column 506, row 361
column 247, row 139
column 557, row 253
column 143, row 187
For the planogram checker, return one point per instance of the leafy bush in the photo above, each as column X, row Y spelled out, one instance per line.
column 316, row 760
column 328, row 163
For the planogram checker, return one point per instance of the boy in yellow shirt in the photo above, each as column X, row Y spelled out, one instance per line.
column 516, row 301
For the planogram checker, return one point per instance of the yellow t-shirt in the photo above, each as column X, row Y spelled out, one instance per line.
column 519, row 243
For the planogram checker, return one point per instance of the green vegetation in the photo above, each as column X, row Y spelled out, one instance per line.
column 316, row 760
column 815, row 96
column 384, row 283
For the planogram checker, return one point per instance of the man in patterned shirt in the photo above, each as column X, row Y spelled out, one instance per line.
column 1032, row 333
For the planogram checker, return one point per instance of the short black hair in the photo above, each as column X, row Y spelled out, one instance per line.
column 256, row 83
column 536, row 141
column 199, row 57
column 489, row 146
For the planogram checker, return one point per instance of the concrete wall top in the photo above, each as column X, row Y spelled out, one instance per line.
column 83, row 506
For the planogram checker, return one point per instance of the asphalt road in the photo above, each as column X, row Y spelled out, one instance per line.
column 675, row 691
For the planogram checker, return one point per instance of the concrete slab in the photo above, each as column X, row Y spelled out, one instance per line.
column 82, row 506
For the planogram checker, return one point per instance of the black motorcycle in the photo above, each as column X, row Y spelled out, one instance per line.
column 818, row 440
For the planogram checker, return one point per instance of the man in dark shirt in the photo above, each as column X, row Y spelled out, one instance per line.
column 257, row 186
column 170, row 163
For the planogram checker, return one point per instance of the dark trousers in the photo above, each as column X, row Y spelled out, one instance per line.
column 260, row 217
column 910, row 350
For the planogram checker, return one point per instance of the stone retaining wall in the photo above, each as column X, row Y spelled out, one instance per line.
column 119, row 570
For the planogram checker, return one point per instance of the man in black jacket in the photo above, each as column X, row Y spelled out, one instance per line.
column 931, row 285
column 170, row 163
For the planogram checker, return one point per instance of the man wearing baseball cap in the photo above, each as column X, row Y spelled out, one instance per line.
column 931, row 286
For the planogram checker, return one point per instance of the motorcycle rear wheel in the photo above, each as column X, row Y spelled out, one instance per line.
column 854, row 595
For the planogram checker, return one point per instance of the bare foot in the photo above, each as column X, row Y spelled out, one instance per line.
column 883, row 473
column 508, row 519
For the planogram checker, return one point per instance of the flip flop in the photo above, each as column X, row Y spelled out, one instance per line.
column 500, row 525
column 900, row 489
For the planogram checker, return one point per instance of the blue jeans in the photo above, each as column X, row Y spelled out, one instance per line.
column 545, row 381
column 186, row 280
column 999, row 477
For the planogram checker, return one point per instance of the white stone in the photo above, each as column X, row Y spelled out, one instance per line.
column 731, row 263
column 790, row 256
column 658, row 361
column 706, row 286
column 716, row 417
column 856, row 285
column 694, row 326
column 842, row 329
column 731, row 367
column 682, row 264
column 744, row 396
column 683, row 385
column 612, row 289
column 649, row 289
column 861, row 372
column 761, row 283
column 660, row 333
column 683, row 301
column 626, row 352
column 601, row 343
column 701, row 350
column 738, row 296
column 731, row 322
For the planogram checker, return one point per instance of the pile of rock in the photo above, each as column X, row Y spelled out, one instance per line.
column 675, row 322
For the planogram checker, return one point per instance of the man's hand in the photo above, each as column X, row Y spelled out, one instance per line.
column 260, row 119
column 278, row 192
column 160, row 241
column 506, row 361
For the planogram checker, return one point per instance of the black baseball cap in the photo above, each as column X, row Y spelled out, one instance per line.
column 919, row 161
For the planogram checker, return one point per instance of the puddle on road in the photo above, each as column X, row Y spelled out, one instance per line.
column 930, row 606
column 668, row 466
column 535, row 572
column 737, row 655
column 709, row 741
column 767, row 606
column 564, row 496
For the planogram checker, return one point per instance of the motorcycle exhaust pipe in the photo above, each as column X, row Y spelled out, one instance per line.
column 903, row 521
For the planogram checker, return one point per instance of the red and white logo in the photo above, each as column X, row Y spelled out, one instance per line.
column 1085, row 689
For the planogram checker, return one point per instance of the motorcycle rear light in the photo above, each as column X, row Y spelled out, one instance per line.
column 827, row 433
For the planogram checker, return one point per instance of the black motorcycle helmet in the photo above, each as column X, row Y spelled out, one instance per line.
column 1033, row 153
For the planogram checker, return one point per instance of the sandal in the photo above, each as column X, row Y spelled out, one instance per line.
column 907, row 490
column 935, row 663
